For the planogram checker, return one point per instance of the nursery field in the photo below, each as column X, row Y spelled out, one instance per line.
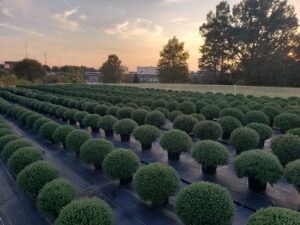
column 110, row 155
column 282, row 92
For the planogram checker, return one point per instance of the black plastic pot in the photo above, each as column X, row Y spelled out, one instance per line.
column 173, row 155
column 109, row 133
column 125, row 181
column 72, row 122
column 209, row 170
column 146, row 146
column 125, row 137
column 255, row 185
column 226, row 136
column 82, row 126
column 261, row 143
column 95, row 129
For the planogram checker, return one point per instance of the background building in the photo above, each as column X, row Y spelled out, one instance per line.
column 147, row 74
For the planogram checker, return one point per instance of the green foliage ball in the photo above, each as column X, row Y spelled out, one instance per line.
column 186, row 107
column 292, row 173
column 61, row 133
column 6, row 139
column 13, row 146
column 156, row 182
column 176, row 141
column 274, row 216
column 23, row 157
column 286, row 148
column 207, row 130
column 139, row 116
column 146, row 134
column 185, row 123
column 92, row 211
column 204, row 203
column 54, row 196
column 120, row 164
column 76, row 139
column 229, row 124
column 33, row 177
column 46, row 131
column 155, row 118
column 94, row 151
column 244, row 139
column 210, row 153
column 260, row 165
column 210, row 111
column 256, row 116
column 287, row 121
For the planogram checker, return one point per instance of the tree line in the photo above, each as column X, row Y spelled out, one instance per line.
column 255, row 42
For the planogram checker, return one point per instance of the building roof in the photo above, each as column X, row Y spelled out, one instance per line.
column 150, row 70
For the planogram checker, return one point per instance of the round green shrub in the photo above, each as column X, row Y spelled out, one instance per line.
column 236, row 113
column 286, row 148
column 155, row 118
column 158, row 103
column 79, row 117
column 175, row 141
column 113, row 110
column 101, row 110
column 33, row 177
column 295, row 131
column 139, row 116
column 287, row 121
column 124, row 128
column 229, row 124
column 146, row 135
column 31, row 119
column 24, row 157
column 125, row 112
column 120, row 164
column 205, row 203
column 258, row 165
column 90, row 107
column 207, row 130
column 210, row 154
column 23, row 118
column 263, row 130
column 199, row 105
column 94, row 151
column 186, row 107
column 76, row 139
column 69, row 115
column 174, row 114
column 6, row 139
column 61, row 133
column 256, row 116
column 3, row 125
column 198, row 116
column 92, row 211
column 163, row 111
column 46, row 131
column 171, row 106
column 274, row 216
column 210, row 111
column 60, row 112
column 5, row 131
column 271, row 112
column 92, row 121
column 244, row 139
column 13, row 146
column 156, row 182
column 40, row 122
column 107, row 123
column 292, row 171
column 54, row 196
column 185, row 123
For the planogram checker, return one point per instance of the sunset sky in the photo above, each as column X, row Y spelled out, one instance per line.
column 84, row 32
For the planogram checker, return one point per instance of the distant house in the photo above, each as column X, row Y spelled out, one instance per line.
column 9, row 64
column 147, row 74
column 92, row 77
column 196, row 76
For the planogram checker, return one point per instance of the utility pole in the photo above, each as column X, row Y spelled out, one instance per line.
column 26, row 52
column 45, row 58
